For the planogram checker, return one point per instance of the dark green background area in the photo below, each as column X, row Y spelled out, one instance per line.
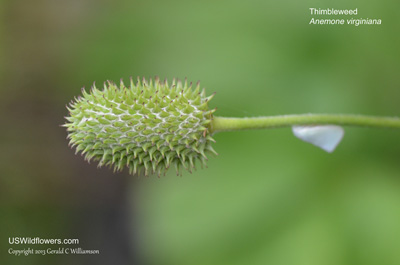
column 268, row 198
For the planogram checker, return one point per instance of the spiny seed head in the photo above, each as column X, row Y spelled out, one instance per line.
column 148, row 126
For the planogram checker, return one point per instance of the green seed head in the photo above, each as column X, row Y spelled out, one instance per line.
column 147, row 127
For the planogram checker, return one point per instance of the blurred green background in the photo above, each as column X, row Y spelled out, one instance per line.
column 268, row 198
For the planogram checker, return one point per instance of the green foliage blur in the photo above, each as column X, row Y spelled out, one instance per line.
column 268, row 198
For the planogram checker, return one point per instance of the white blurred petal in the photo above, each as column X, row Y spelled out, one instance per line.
column 326, row 137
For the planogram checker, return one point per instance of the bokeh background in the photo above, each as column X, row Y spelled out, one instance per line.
column 268, row 198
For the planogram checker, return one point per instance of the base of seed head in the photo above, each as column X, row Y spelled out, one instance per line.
column 148, row 126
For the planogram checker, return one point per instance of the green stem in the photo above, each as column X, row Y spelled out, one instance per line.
column 221, row 124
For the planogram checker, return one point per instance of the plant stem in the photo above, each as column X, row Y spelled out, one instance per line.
column 221, row 124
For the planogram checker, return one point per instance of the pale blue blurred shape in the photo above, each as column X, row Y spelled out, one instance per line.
column 326, row 137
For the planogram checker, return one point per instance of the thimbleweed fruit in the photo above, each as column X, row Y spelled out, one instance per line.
column 151, row 125
column 147, row 127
